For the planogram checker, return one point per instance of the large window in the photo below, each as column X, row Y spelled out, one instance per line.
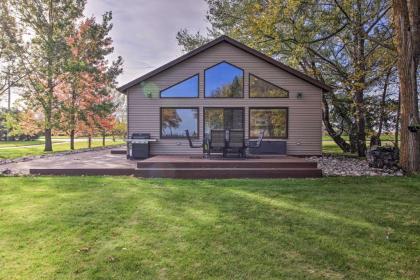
column 224, row 80
column 260, row 88
column 186, row 88
column 174, row 122
column 272, row 120
column 223, row 118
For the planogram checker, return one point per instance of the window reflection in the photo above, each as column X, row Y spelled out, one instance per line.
column 223, row 118
column 224, row 80
column 261, row 88
column 174, row 122
column 272, row 120
column 186, row 88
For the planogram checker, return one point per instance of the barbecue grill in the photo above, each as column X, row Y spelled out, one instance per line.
column 139, row 146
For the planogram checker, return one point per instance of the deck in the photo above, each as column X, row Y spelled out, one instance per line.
column 195, row 167
column 187, row 167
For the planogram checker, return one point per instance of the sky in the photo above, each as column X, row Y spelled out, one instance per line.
column 144, row 31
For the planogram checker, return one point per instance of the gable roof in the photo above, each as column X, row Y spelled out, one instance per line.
column 237, row 44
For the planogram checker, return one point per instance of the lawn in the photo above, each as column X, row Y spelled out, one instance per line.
column 331, row 148
column 6, row 144
column 126, row 228
column 15, row 152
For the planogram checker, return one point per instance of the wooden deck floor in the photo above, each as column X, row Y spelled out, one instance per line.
column 187, row 167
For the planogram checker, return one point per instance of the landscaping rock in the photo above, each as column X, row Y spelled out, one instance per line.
column 7, row 171
column 345, row 166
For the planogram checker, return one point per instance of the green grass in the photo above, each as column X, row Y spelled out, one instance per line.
column 57, row 147
column 5, row 144
column 125, row 228
column 384, row 137
column 331, row 148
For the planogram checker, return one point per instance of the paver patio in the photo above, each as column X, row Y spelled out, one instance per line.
column 91, row 159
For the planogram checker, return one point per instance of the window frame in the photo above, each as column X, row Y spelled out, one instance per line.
column 174, row 97
column 269, row 108
column 243, row 81
column 222, row 108
column 249, row 88
column 179, row 137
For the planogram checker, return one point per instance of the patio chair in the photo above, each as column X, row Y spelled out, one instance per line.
column 258, row 142
column 192, row 145
column 237, row 141
column 204, row 145
column 217, row 141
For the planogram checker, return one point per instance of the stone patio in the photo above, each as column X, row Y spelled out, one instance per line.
column 92, row 159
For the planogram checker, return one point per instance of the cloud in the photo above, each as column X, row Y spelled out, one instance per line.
column 144, row 31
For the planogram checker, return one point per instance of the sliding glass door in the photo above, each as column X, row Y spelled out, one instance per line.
column 223, row 118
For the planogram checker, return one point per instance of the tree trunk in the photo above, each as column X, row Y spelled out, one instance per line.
column 360, row 82
column 50, row 91
column 90, row 141
column 360, row 124
column 353, row 138
column 73, row 116
column 376, row 138
column 47, row 131
column 72, row 139
column 48, row 141
column 407, row 24
column 383, row 103
column 330, row 129
column 397, row 124
column 103, row 139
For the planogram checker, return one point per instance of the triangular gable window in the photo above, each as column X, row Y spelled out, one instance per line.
column 224, row 80
column 187, row 88
column 260, row 88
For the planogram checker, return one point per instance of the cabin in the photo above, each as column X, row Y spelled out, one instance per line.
column 224, row 84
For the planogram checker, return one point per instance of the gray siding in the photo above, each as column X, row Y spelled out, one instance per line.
column 305, row 131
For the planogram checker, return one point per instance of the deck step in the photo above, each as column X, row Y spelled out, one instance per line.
column 225, row 173
column 227, row 164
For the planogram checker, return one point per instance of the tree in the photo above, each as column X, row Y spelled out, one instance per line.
column 406, row 19
column 382, row 107
column 89, row 81
column 119, row 129
column 23, row 125
column 11, row 120
column 31, row 123
column 190, row 42
column 48, row 23
column 9, row 71
column 343, row 43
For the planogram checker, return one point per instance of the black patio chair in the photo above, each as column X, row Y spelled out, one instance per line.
column 192, row 145
column 237, row 142
column 204, row 145
column 217, row 141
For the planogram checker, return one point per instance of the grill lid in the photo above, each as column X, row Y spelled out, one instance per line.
column 140, row 136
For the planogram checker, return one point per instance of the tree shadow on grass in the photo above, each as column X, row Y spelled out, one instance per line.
column 127, row 228
column 324, row 240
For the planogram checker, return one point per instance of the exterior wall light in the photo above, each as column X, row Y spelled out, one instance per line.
column 299, row 95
